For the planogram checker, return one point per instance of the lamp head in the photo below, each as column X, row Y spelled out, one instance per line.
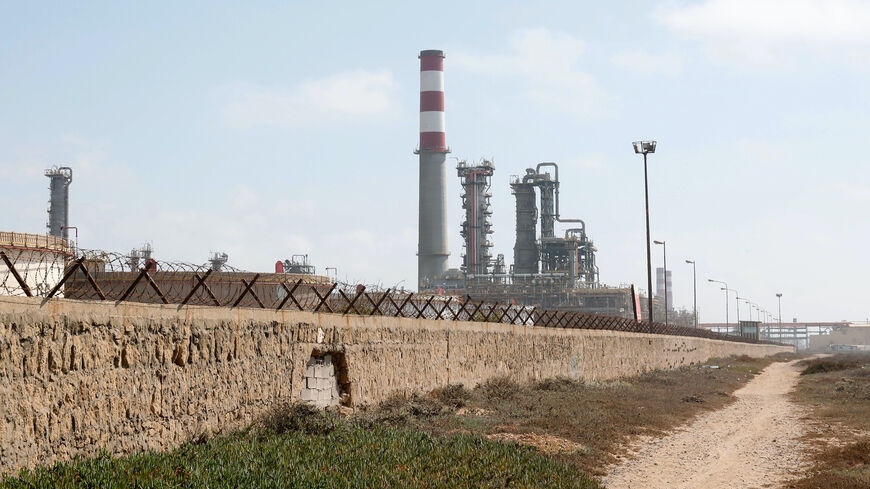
column 659, row 242
column 690, row 262
column 644, row 147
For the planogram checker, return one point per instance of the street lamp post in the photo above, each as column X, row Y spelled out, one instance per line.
column 725, row 288
column 737, row 308
column 779, row 301
column 748, row 303
column 694, row 290
column 645, row 147
column 665, row 255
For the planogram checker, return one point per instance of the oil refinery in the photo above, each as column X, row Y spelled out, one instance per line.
column 553, row 268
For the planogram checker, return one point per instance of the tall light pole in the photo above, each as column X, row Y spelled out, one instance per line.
column 737, row 299
column 779, row 301
column 645, row 147
column 665, row 255
column 737, row 307
column 725, row 288
column 694, row 290
column 748, row 303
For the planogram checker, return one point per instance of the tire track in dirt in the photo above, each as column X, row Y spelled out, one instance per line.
column 752, row 443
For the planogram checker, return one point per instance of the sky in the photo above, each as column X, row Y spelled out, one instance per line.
column 264, row 129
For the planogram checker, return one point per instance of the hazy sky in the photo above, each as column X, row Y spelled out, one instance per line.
column 265, row 129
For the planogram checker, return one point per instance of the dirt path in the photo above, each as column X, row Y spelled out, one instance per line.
column 751, row 443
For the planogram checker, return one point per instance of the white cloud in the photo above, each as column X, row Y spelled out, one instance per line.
column 546, row 61
column 853, row 192
column 667, row 64
column 352, row 97
column 763, row 31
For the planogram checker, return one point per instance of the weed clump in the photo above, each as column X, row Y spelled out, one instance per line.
column 499, row 388
column 296, row 417
column 401, row 408
column 823, row 365
column 557, row 384
column 453, row 395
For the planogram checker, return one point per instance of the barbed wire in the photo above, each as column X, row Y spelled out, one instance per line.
column 110, row 276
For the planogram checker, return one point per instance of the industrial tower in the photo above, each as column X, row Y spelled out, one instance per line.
column 58, row 205
column 432, row 250
column 476, row 227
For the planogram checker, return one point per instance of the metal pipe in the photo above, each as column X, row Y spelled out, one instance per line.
column 556, row 168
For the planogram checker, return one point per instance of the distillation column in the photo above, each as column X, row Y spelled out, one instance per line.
column 476, row 227
column 525, row 247
column 58, row 205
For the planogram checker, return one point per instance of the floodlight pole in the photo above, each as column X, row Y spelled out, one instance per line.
column 726, row 289
column 645, row 147
column 779, row 300
column 694, row 290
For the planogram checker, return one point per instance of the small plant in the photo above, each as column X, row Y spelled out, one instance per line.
column 499, row 388
column 453, row 395
column 822, row 365
column 400, row 408
column 557, row 384
column 297, row 417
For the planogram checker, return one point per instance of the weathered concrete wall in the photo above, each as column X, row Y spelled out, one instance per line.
column 77, row 377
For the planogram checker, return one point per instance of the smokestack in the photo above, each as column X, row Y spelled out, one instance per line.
column 58, row 205
column 432, row 244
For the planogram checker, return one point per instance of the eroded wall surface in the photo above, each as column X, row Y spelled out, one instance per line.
column 77, row 377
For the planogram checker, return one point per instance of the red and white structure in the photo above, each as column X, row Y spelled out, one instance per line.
column 432, row 251
column 432, row 125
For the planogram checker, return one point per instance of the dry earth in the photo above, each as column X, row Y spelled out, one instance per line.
column 751, row 443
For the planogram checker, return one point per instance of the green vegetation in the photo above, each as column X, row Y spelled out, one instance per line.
column 546, row 434
column 306, row 449
column 590, row 421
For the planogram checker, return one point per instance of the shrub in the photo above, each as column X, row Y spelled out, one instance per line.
column 499, row 388
column 297, row 417
column 453, row 395
column 822, row 365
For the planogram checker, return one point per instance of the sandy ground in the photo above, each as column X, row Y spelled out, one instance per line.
column 751, row 443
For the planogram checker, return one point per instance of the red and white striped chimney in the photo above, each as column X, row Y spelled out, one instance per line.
column 432, row 127
column 432, row 254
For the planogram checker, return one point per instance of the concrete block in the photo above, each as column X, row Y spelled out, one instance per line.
column 308, row 395
column 323, row 372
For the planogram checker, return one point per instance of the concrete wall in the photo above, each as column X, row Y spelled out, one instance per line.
column 77, row 377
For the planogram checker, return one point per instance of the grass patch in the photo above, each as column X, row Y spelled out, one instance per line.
column 846, row 467
column 307, row 451
column 600, row 416
column 837, row 389
column 830, row 364
column 500, row 434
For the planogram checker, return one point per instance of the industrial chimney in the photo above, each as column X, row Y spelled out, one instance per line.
column 432, row 244
column 58, row 205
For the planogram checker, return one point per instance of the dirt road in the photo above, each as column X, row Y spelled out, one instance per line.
column 751, row 443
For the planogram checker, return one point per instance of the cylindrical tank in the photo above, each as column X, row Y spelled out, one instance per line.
column 279, row 266
column 525, row 247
